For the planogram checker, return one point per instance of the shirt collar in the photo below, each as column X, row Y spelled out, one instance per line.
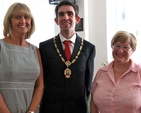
column 72, row 39
column 133, row 66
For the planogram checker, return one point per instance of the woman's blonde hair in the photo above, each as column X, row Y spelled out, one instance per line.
column 14, row 9
column 123, row 36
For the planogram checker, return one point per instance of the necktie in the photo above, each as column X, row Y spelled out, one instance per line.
column 67, row 49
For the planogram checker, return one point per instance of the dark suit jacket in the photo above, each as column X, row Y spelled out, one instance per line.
column 62, row 95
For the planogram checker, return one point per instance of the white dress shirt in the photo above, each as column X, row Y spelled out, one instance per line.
column 72, row 39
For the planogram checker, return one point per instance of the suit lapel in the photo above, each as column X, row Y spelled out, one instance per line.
column 76, row 47
column 59, row 45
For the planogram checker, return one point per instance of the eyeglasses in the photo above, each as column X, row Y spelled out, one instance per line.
column 124, row 48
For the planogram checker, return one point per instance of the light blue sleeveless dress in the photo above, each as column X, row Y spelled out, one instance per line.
column 19, row 69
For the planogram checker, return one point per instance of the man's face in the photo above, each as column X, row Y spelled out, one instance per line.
column 66, row 18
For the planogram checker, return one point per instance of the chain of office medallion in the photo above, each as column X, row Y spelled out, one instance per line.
column 68, row 63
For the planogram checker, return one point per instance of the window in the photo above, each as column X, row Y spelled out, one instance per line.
column 129, row 18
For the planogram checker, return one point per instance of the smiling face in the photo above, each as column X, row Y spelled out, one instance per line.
column 20, row 24
column 122, row 52
column 123, row 44
column 18, row 19
column 66, row 19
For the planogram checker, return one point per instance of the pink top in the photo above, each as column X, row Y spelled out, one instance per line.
column 122, row 96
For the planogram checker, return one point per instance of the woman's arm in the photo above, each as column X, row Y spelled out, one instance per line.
column 93, row 108
column 3, row 106
column 38, row 89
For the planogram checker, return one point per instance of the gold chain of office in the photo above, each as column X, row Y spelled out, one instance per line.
column 67, row 71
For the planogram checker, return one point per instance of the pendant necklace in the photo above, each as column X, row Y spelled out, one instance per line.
column 67, row 71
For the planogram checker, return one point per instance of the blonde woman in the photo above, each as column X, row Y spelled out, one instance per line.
column 21, row 74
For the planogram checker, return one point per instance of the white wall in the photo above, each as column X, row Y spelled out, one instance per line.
column 98, row 31
column 102, row 27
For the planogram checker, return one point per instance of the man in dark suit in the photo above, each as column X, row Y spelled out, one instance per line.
column 67, row 81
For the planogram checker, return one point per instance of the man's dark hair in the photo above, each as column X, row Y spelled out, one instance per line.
column 65, row 2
